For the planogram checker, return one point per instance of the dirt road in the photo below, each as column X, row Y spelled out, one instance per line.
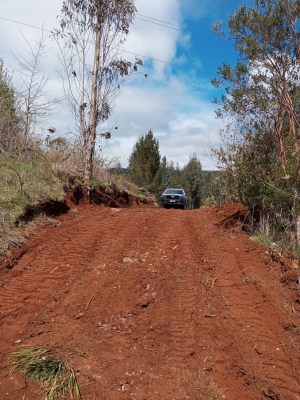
column 154, row 304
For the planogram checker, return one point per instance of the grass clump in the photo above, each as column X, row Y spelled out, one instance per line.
column 206, row 387
column 121, row 184
column 23, row 184
column 38, row 364
column 284, row 244
column 26, row 183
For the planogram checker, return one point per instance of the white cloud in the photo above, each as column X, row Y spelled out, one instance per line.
column 173, row 106
column 183, row 124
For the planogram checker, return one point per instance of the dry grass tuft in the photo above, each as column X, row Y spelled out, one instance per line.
column 39, row 365
column 206, row 387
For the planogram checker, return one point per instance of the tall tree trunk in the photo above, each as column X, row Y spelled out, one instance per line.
column 82, row 106
column 91, row 130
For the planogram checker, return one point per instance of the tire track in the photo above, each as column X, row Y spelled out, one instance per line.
column 249, row 309
column 154, row 304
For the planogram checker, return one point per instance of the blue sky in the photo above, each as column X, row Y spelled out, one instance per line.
column 174, row 102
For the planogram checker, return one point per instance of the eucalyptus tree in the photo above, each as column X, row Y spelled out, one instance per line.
column 262, row 91
column 92, row 69
column 260, row 106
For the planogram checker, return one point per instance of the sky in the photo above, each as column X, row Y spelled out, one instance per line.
column 176, row 99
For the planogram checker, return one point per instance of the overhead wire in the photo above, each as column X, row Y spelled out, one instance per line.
column 166, row 62
column 145, row 20
column 178, row 29
column 22, row 23
column 124, row 51
column 159, row 20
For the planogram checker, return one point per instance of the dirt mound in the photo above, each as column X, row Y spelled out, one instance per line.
column 114, row 198
column 235, row 216
column 151, row 304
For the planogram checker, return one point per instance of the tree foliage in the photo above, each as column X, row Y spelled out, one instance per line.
column 10, row 118
column 189, row 178
column 32, row 93
column 144, row 161
column 192, row 182
column 93, row 31
column 260, row 107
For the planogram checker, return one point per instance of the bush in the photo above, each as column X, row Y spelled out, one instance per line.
column 210, row 201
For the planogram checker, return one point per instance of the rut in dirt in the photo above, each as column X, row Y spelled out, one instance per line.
column 154, row 304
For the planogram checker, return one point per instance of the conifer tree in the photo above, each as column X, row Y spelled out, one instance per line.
column 144, row 161
column 192, row 180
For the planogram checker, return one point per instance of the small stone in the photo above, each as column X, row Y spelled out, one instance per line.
column 79, row 315
column 18, row 341
column 258, row 350
column 122, row 381
column 126, row 388
column 127, row 260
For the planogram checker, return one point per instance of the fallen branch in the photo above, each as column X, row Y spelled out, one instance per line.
column 88, row 304
column 225, row 300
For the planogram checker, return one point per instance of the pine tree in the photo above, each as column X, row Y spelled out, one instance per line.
column 144, row 161
column 193, row 181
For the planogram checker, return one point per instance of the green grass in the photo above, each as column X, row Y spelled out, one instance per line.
column 38, row 364
column 24, row 183
column 120, row 184
column 31, row 182
column 284, row 243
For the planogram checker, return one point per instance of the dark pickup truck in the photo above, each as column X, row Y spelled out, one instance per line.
column 173, row 198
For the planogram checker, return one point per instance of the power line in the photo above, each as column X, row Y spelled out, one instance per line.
column 159, row 20
column 178, row 26
column 178, row 29
column 22, row 23
column 140, row 55
column 166, row 62
column 181, row 29
column 156, row 23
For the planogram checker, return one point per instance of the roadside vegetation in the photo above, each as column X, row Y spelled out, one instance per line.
column 259, row 161
column 155, row 173
column 39, row 164
column 37, row 364
column 260, row 156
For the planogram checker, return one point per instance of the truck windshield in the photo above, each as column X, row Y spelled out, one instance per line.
column 173, row 191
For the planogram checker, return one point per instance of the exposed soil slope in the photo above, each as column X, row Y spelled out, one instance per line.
column 155, row 304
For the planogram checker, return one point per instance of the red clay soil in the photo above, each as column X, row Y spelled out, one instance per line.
column 154, row 304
